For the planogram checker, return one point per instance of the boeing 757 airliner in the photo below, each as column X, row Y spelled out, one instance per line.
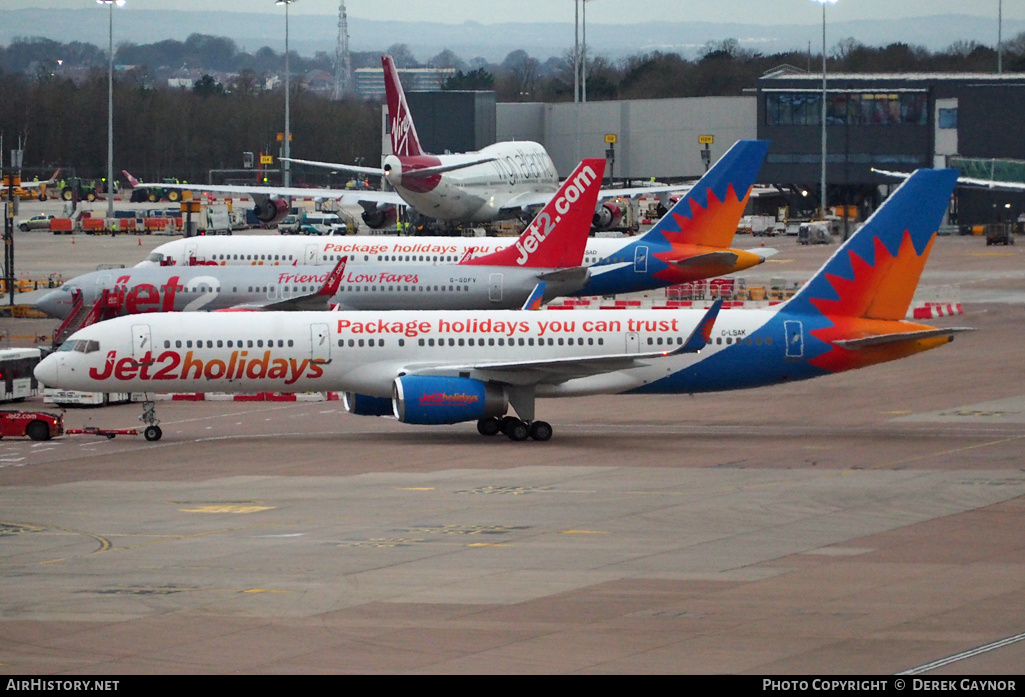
column 448, row 367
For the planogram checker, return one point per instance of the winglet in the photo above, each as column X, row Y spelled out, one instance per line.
column 404, row 141
column 467, row 255
column 698, row 338
column 334, row 279
column 557, row 237
column 131, row 180
column 536, row 296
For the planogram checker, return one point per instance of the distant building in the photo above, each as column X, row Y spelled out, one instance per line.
column 893, row 122
column 369, row 82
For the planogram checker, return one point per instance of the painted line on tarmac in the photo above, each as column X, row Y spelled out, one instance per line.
column 963, row 655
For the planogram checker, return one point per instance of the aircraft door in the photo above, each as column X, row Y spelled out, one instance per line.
column 495, row 288
column 141, row 342
column 103, row 281
column 633, row 342
column 794, row 331
column 641, row 259
column 320, row 343
column 311, row 255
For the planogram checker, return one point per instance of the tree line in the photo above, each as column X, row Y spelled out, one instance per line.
column 174, row 132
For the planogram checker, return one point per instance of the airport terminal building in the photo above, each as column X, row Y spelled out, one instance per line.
column 885, row 121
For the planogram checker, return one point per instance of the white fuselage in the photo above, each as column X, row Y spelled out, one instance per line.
column 286, row 250
column 478, row 193
column 365, row 351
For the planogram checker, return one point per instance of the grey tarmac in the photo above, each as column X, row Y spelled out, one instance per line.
column 864, row 523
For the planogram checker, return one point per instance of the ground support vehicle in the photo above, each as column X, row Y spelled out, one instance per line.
column 37, row 425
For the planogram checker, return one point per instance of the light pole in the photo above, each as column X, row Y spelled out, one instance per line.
column 583, row 57
column 286, row 169
column 822, row 183
column 1000, row 43
column 110, row 106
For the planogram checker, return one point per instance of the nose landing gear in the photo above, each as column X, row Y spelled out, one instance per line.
column 149, row 417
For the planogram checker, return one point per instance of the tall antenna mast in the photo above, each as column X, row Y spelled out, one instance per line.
column 343, row 60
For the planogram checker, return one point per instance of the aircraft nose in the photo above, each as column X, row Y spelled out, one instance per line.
column 47, row 372
column 51, row 304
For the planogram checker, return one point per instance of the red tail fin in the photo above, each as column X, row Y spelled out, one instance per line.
column 404, row 140
column 557, row 237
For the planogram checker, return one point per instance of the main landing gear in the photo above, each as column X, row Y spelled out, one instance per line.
column 515, row 429
column 152, row 431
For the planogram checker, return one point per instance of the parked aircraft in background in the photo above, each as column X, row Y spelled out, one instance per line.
column 505, row 180
column 448, row 367
column 689, row 243
column 551, row 249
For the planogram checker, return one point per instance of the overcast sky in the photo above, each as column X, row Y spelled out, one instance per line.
column 601, row 11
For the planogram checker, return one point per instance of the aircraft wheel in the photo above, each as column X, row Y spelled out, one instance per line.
column 488, row 427
column 153, row 433
column 541, row 430
column 518, row 431
column 506, row 422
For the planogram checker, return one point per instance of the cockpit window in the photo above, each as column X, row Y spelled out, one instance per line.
column 81, row 346
column 155, row 257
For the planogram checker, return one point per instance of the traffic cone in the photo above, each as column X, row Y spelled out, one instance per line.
column 140, row 241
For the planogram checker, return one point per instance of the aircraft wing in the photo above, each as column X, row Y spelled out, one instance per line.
column 529, row 200
column 884, row 339
column 349, row 196
column 32, row 185
column 557, row 370
column 971, row 181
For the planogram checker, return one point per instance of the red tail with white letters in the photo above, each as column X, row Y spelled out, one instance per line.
column 404, row 141
column 557, row 237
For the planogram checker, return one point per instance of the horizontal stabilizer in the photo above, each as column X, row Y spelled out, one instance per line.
column 886, row 339
column 723, row 258
column 441, row 169
column 336, row 165
column 572, row 274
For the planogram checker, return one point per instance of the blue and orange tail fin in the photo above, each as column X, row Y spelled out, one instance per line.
column 404, row 141
column 557, row 237
column 708, row 214
column 875, row 273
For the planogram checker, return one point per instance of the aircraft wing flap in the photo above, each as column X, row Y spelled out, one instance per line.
column 885, row 339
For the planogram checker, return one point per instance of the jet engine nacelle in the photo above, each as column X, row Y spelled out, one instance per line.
column 268, row 210
column 379, row 216
column 607, row 215
column 365, row 405
column 446, row 400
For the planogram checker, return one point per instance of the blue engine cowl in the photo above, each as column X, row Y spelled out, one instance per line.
column 365, row 405
column 444, row 400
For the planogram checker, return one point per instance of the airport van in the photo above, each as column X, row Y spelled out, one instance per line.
column 322, row 224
